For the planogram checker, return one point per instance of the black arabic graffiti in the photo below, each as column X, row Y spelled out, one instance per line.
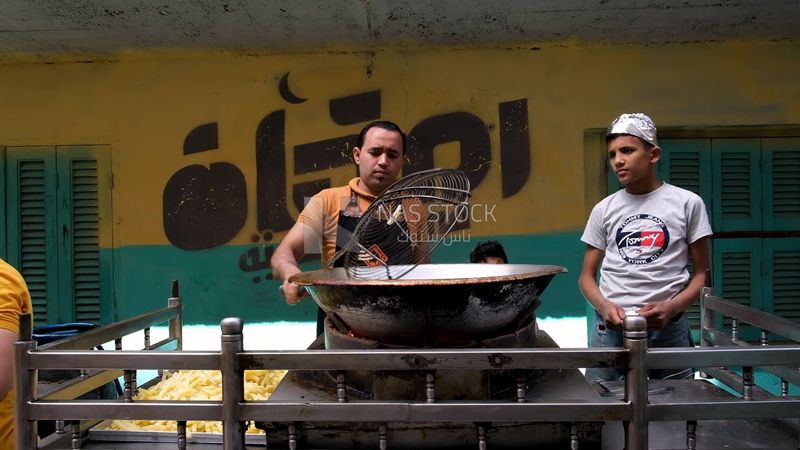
column 206, row 207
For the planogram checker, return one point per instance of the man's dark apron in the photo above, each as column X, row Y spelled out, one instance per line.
column 347, row 222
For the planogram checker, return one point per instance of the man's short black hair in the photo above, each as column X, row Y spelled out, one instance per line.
column 486, row 249
column 386, row 125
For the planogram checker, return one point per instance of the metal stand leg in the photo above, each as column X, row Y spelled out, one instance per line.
column 521, row 388
column 430, row 387
column 481, row 437
column 76, row 434
column 691, row 434
column 635, row 340
column 128, row 379
column 382, row 442
column 341, row 387
column 181, row 435
column 292, row 437
column 232, row 383
column 747, row 383
column 25, row 382
column 573, row 436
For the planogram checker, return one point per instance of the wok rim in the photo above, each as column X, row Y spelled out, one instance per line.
column 310, row 278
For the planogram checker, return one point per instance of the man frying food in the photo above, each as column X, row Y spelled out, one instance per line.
column 322, row 225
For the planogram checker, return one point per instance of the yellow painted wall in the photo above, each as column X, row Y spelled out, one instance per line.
column 143, row 105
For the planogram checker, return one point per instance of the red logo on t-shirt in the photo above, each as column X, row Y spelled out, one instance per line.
column 642, row 238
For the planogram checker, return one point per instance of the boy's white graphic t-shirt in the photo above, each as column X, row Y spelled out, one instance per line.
column 646, row 242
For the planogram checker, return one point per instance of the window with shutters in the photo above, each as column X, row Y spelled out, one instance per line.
column 751, row 188
column 57, row 215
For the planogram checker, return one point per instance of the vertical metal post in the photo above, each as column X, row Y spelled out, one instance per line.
column 75, row 428
column 635, row 340
column 341, row 387
column 127, row 378
column 747, row 383
column 574, row 444
column 176, row 324
column 24, row 385
column 181, row 434
column 292, row 436
column 521, row 386
column 430, row 387
column 147, row 338
column 481, row 437
column 232, row 383
column 134, row 383
column 707, row 316
column 382, row 441
column 691, row 434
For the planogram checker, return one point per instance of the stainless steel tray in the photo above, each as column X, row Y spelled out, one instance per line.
column 101, row 433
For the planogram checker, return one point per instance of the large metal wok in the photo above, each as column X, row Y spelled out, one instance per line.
column 433, row 303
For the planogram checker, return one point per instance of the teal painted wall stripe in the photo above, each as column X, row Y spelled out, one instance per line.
column 214, row 286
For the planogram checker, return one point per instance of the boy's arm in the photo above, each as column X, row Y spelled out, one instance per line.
column 612, row 313
column 12, row 300
column 7, row 339
column 658, row 314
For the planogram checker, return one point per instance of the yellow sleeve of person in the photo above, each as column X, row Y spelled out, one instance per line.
column 14, row 300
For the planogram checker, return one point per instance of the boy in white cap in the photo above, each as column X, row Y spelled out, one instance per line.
column 644, row 236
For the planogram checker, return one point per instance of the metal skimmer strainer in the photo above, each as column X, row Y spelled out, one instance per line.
column 405, row 224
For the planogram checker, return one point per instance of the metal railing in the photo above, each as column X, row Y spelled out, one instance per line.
column 711, row 308
column 633, row 410
column 30, row 391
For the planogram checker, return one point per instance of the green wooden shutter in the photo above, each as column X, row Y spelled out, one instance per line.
column 58, row 213
column 781, row 198
column 781, row 183
column 80, row 285
column 686, row 163
column 781, row 277
column 81, row 217
column 737, row 275
column 737, row 184
column 31, row 219
column 740, row 269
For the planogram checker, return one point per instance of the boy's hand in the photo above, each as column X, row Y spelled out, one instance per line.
column 658, row 314
column 613, row 315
